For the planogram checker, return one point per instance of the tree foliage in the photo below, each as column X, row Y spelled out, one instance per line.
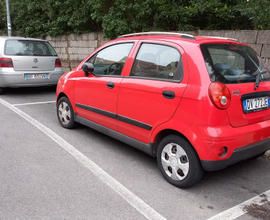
column 3, row 16
column 123, row 16
column 50, row 17
column 257, row 13
column 115, row 17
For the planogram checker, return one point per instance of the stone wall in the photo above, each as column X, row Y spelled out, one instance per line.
column 73, row 48
column 258, row 40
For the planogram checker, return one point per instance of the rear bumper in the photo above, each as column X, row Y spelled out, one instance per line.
column 237, row 156
column 17, row 79
column 241, row 143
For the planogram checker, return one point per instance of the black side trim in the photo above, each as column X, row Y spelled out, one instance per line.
column 255, row 95
column 147, row 148
column 115, row 116
column 98, row 111
column 134, row 122
column 238, row 155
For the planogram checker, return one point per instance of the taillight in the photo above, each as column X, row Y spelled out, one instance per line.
column 219, row 95
column 6, row 62
column 58, row 63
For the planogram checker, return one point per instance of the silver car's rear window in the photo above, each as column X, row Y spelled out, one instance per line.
column 233, row 63
column 28, row 48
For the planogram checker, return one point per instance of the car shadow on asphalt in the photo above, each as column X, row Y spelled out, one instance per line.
column 246, row 175
column 242, row 174
column 29, row 90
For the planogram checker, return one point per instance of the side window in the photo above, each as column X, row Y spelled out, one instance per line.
column 111, row 60
column 158, row 62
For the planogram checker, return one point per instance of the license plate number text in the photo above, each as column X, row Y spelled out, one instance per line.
column 256, row 104
column 36, row 76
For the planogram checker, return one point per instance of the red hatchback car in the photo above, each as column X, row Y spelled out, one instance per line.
column 195, row 103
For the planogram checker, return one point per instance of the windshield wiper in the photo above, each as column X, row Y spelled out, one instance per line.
column 258, row 79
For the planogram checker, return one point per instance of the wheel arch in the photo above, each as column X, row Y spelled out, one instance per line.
column 162, row 134
column 60, row 95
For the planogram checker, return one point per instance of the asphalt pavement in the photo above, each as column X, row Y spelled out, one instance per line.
column 48, row 172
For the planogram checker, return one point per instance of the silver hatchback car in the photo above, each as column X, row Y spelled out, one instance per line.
column 28, row 62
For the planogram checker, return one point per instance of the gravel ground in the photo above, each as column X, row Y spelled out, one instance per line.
column 267, row 154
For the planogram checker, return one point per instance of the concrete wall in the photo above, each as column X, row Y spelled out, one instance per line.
column 73, row 48
column 258, row 40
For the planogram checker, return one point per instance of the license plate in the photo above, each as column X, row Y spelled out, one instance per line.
column 256, row 104
column 37, row 76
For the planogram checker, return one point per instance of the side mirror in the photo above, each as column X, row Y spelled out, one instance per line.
column 88, row 68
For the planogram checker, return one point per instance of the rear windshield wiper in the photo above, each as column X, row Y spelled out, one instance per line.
column 258, row 79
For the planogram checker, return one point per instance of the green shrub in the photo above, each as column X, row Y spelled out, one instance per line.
column 35, row 18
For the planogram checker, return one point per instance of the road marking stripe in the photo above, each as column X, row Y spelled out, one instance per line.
column 131, row 198
column 34, row 103
column 239, row 210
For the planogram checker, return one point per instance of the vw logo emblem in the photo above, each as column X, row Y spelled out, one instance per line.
column 35, row 60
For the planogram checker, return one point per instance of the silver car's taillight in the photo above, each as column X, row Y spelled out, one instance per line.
column 58, row 63
column 6, row 62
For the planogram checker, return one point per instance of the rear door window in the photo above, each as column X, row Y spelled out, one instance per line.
column 232, row 64
column 155, row 61
column 28, row 48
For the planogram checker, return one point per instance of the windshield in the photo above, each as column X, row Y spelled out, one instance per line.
column 29, row 48
column 231, row 63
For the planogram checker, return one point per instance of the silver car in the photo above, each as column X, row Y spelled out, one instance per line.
column 28, row 62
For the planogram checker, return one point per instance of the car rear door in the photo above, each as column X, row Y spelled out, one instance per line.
column 249, row 105
column 31, row 55
column 151, row 92
column 238, row 67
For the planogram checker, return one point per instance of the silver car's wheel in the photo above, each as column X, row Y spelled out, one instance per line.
column 178, row 161
column 65, row 113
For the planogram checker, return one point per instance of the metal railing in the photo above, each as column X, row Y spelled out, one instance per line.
column 224, row 38
column 183, row 35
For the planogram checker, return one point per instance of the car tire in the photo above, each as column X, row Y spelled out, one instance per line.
column 65, row 113
column 178, row 162
column 1, row 90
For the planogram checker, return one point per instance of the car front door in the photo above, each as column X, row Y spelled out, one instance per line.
column 96, row 94
column 151, row 93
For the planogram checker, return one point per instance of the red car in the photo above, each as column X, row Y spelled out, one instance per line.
column 195, row 103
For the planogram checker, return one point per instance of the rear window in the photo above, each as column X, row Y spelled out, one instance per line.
column 232, row 64
column 29, row 48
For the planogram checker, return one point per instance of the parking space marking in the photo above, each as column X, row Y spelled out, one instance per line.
column 34, row 103
column 240, row 209
column 104, row 177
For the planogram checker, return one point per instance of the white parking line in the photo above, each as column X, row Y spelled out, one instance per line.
column 34, row 103
column 240, row 209
column 131, row 198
